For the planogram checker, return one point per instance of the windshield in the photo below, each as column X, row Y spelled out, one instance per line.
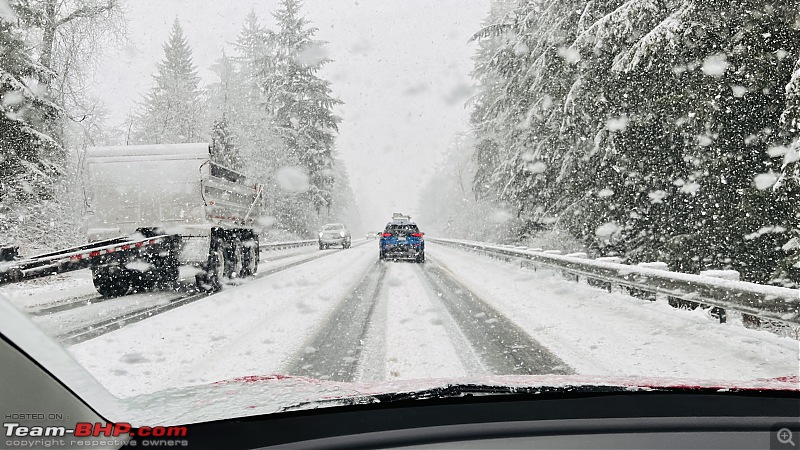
column 609, row 193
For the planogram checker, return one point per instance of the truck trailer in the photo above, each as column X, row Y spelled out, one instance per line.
column 174, row 198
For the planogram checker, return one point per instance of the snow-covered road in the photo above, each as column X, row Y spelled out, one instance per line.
column 67, row 306
column 345, row 316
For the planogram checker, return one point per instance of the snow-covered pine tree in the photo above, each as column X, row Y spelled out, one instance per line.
column 343, row 202
column 66, row 38
column 701, row 85
column 30, row 160
column 788, row 185
column 651, row 121
column 524, row 113
column 300, row 102
column 490, row 98
column 790, row 122
column 172, row 111
column 252, row 43
column 223, row 148
column 250, row 122
column 227, row 101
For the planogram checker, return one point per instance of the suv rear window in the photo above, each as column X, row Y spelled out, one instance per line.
column 402, row 229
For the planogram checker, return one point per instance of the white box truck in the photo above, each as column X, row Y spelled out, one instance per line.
column 204, row 215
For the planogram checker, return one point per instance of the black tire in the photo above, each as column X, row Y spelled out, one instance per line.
column 168, row 267
column 256, row 253
column 250, row 254
column 143, row 281
column 169, row 274
column 421, row 257
column 211, row 279
column 234, row 263
column 111, row 281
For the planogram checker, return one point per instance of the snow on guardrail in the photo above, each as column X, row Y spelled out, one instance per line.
column 770, row 302
column 287, row 244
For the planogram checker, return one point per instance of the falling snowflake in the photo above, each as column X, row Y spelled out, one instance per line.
column 765, row 180
column 715, row 65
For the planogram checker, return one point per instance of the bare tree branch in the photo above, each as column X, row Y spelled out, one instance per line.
column 87, row 12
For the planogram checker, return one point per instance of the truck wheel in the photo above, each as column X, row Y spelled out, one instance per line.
column 111, row 281
column 250, row 253
column 169, row 274
column 211, row 279
column 163, row 274
column 257, row 259
column 143, row 281
column 234, row 265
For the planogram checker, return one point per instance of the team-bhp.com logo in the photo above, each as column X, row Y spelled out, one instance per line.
column 122, row 431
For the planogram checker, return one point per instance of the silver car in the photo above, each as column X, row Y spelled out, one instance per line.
column 334, row 234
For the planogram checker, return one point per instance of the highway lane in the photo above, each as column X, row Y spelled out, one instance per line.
column 345, row 316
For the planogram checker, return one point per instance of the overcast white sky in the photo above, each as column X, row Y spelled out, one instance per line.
column 401, row 67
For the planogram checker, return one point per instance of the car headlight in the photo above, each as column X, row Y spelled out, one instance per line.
column 341, row 233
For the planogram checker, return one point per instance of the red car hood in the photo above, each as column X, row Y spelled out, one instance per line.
column 265, row 394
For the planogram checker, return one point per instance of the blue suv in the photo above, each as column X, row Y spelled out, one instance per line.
column 401, row 239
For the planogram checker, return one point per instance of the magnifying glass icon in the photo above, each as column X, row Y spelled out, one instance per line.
column 785, row 436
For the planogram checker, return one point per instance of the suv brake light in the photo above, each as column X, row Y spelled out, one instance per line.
column 386, row 234
column 417, row 234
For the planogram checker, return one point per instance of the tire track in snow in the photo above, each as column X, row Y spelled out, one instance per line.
column 502, row 346
column 372, row 361
column 83, row 300
column 160, row 301
column 115, row 323
column 333, row 352
column 252, row 329
column 411, row 335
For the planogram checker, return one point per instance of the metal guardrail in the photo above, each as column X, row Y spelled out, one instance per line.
column 284, row 245
column 770, row 302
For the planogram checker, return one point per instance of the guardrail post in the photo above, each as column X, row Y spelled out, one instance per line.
column 750, row 321
column 678, row 303
column 8, row 252
column 578, row 255
column 602, row 284
column 725, row 275
column 643, row 294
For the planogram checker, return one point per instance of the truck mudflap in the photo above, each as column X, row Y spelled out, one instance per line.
column 84, row 256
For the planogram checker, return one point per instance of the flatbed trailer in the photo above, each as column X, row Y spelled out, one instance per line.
column 15, row 269
column 151, row 210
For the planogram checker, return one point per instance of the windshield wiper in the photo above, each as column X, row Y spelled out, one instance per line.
column 457, row 391
column 467, row 390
